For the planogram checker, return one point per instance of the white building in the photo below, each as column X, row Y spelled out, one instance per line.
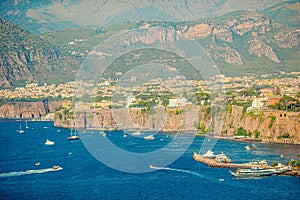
column 173, row 103
column 257, row 104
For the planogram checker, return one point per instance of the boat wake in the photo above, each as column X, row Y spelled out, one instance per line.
column 177, row 170
column 27, row 172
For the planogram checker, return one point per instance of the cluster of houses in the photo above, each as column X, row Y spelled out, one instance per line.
column 271, row 91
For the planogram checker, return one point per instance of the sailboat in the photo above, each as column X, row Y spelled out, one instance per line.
column 73, row 136
column 20, row 130
column 27, row 124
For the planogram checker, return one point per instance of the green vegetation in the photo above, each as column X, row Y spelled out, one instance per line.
column 59, row 115
column 242, row 132
column 229, row 108
column 203, row 128
column 249, row 92
column 287, row 103
column 256, row 134
column 244, row 104
column 298, row 164
column 285, row 135
column 273, row 118
column 291, row 162
column 275, row 164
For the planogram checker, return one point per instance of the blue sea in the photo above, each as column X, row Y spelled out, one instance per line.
column 84, row 176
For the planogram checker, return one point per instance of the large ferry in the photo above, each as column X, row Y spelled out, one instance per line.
column 256, row 172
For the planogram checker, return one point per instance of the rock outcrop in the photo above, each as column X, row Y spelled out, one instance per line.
column 28, row 110
column 23, row 55
column 259, row 49
column 267, row 126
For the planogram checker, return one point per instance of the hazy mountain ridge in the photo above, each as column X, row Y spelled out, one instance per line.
column 240, row 42
column 41, row 16
column 27, row 57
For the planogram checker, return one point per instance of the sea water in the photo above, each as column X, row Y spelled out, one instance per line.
column 84, row 177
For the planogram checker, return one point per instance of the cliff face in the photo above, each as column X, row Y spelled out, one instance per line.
column 128, row 119
column 267, row 126
column 24, row 55
column 28, row 110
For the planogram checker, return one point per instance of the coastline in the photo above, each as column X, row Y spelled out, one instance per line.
column 50, row 118
column 210, row 162
column 235, row 139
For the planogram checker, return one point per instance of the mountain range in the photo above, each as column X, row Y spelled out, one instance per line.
column 45, row 15
column 256, row 41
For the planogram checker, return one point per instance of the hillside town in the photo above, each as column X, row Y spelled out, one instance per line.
column 267, row 92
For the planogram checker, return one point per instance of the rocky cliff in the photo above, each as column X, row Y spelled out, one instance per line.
column 23, row 55
column 125, row 118
column 28, row 110
column 267, row 126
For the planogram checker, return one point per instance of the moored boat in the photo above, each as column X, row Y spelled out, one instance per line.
column 137, row 133
column 20, row 130
column 149, row 137
column 223, row 158
column 73, row 136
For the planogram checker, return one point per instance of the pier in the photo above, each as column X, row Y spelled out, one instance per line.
column 214, row 163
column 211, row 162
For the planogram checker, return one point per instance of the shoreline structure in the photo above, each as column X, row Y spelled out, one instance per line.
column 210, row 162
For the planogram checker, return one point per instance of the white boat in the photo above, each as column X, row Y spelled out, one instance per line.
column 49, row 142
column 58, row 130
column 102, row 133
column 27, row 124
column 223, row 158
column 137, row 133
column 20, row 130
column 37, row 164
column 209, row 154
column 73, row 136
column 250, row 147
column 256, row 172
column 149, row 137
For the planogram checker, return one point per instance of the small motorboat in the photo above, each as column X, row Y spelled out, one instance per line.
column 37, row 164
column 49, row 142
column 149, row 137
column 56, row 167
column 250, row 147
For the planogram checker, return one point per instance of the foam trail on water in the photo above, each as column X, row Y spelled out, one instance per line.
column 178, row 170
column 37, row 171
